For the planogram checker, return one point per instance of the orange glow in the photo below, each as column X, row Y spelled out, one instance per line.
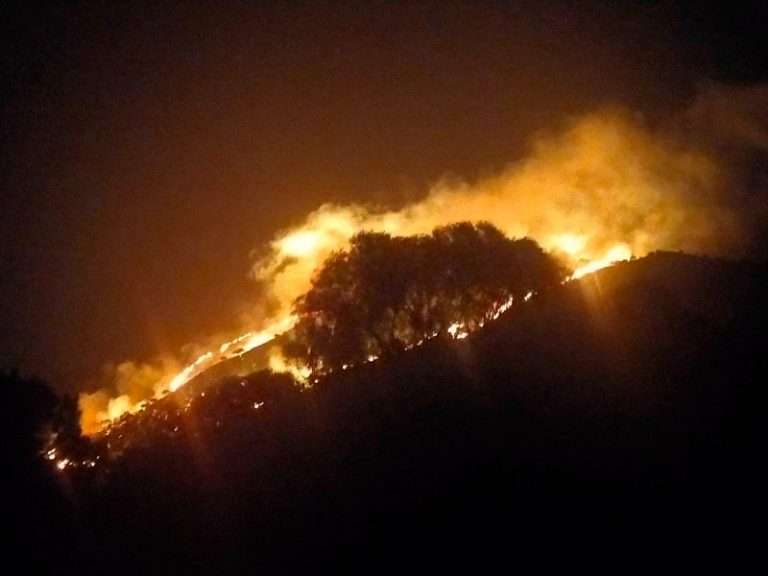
column 571, row 244
column 602, row 191
column 278, row 363
column 301, row 243
column 619, row 253
column 98, row 409
column 247, row 341
column 458, row 331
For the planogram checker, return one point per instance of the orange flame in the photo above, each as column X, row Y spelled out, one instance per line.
column 604, row 190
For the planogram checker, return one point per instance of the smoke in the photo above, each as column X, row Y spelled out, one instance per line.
column 731, row 123
column 731, row 116
column 606, row 186
column 124, row 387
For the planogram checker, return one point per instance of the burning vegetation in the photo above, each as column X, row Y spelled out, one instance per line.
column 382, row 296
column 388, row 294
column 605, row 189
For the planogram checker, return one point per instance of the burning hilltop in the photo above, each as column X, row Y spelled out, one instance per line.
column 605, row 188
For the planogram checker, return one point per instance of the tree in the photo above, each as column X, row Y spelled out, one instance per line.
column 27, row 409
column 35, row 419
column 385, row 294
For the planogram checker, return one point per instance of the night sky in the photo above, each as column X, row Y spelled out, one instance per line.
column 147, row 148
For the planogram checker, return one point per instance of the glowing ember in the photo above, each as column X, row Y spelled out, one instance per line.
column 457, row 331
column 528, row 296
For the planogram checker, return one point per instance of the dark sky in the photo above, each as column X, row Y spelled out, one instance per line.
column 147, row 147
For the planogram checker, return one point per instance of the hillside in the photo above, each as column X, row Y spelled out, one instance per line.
column 612, row 423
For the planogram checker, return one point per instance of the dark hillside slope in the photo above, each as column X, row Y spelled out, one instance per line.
column 612, row 424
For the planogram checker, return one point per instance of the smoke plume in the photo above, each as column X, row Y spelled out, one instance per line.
column 604, row 187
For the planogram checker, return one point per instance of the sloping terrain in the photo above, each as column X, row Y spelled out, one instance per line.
column 612, row 423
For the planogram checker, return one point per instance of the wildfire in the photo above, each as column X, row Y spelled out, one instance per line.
column 98, row 409
column 247, row 342
column 618, row 253
column 604, row 190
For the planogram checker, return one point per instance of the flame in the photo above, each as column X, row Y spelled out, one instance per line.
column 278, row 363
column 618, row 253
column 98, row 408
column 603, row 190
column 301, row 243
column 570, row 244
column 458, row 331
column 249, row 340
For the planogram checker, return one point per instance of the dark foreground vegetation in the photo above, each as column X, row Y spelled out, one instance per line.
column 613, row 424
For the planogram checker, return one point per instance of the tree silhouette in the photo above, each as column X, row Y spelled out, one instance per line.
column 385, row 294
column 27, row 408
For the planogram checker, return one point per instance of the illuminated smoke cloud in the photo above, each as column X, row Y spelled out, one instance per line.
column 604, row 188
column 128, row 385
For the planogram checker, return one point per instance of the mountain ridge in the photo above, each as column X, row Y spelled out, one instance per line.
column 614, row 420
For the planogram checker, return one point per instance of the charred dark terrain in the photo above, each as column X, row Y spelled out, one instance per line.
column 612, row 424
